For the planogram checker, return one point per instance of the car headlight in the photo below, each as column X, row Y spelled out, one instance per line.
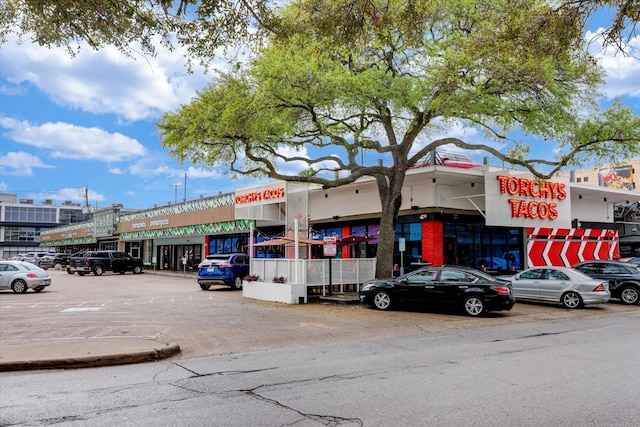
column 368, row 286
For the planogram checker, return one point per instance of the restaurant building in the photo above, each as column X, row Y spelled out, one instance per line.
column 486, row 217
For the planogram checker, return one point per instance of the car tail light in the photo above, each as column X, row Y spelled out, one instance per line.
column 501, row 290
column 599, row 288
column 87, row 261
column 32, row 275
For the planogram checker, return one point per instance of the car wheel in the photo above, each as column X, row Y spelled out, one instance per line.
column 137, row 269
column 80, row 273
column 204, row 287
column 571, row 300
column 39, row 289
column 69, row 271
column 19, row 286
column 382, row 300
column 629, row 295
column 237, row 283
column 473, row 306
column 98, row 270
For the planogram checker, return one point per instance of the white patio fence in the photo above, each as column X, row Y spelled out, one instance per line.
column 304, row 273
column 315, row 272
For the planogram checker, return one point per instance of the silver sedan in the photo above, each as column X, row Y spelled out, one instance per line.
column 20, row 276
column 562, row 285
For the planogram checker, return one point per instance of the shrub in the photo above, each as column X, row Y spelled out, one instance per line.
column 279, row 279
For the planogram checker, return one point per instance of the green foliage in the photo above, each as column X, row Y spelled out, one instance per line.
column 399, row 72
column 340, row 78
column 330, row 79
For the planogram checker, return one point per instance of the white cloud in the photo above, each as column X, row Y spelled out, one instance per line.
column 116, row 171
column 155, row 165
column 67, row 141
column 295, row 167
column 135, row 88
column 77, row 195
column 20, row 164
column 623, row 71
column 3, row 186
column 199, row 173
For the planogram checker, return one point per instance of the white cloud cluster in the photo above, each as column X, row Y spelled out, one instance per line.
column 134, row 88
column 155, row 165
column 20, row 164
column 622, row 70
column 67, row 141
column 77, row 195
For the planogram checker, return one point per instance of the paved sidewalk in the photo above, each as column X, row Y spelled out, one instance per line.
column 82, row 353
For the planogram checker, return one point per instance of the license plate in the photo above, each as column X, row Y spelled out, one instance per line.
column 210, row 269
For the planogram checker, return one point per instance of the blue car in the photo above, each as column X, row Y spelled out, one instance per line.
column 223, row 269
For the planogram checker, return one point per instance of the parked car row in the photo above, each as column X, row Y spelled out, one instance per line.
column 44, row 260
column 474, row 292
column 33, row 257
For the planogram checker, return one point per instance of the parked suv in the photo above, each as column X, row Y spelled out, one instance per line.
column 226, row 269
column 35, row 257
column 623, row 277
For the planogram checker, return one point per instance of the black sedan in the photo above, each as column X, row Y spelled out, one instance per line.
column 448, row 286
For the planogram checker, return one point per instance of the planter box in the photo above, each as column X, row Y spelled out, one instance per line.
column 288, row 293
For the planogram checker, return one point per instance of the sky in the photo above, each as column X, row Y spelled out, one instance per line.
column 82, row 129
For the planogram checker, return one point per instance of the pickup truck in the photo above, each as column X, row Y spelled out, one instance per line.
column 97, row 262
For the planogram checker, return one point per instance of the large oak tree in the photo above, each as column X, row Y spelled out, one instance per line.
column 322, row 89
column 344, row 76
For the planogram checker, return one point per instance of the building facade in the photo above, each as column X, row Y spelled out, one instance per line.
column 626, row 213
column 486, row 217
column 22, row 221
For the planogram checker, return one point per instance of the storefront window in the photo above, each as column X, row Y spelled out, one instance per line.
column 228, row 244
column 412, row 235
column 493, row 249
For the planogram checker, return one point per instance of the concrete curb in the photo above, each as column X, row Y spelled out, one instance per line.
column 122, row 358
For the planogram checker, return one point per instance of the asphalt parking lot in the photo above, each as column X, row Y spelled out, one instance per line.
column 173, row 308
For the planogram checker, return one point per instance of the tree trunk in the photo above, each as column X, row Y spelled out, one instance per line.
column 391, row 199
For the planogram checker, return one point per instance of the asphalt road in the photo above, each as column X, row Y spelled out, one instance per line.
column 561, row 373
column 220, row 321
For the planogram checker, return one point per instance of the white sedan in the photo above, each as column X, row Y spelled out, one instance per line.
column 20, row 276
column 563, row 285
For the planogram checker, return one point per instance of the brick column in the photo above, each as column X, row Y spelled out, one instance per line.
column 432, row 242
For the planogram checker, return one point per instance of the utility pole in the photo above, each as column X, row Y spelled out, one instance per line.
column 185, row 187
column 175, row 192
